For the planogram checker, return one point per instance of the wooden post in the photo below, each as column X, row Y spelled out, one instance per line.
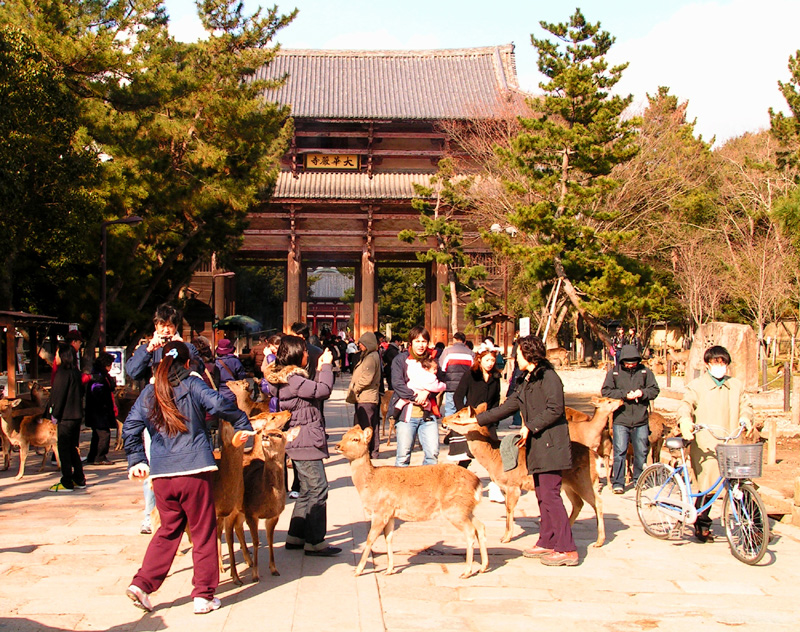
column 292, row 308
column 772, row 440
column 366, row 306
column 669, row 372
column 787, row 387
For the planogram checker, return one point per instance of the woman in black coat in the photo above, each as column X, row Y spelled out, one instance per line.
column 66, row 410
column 539, row 397
column 101, row 411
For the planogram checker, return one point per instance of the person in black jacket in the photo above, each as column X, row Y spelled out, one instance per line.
column 636, row 385
column 101, row 411
column 540, row 399
column 66, row 410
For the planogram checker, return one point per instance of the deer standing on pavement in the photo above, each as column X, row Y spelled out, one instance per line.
column 593, row 432
column 578, row 482
column 413, row 494
column 264, row 486
column 33, row 432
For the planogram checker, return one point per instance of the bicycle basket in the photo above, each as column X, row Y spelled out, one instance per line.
column 740, row 461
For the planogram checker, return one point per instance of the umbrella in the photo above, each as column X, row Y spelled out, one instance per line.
column 238, row 321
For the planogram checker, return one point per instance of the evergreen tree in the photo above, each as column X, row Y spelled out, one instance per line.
column 563, row 160
column 187, row 139
column 440, row 221
column 45, row 181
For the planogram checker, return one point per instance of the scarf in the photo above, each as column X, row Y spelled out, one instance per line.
column 177, row 374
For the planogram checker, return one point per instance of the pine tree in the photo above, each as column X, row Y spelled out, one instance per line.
column 563, row 158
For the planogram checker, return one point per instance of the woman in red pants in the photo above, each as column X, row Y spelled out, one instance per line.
column 173, row 411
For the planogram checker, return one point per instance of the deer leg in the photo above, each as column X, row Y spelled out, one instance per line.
column 391, row 428
column 6, row 451
column 238, row 526
column 512, row 497
column 378, row 524
column 252, row 525
column 232, row 559
column 44, row 458
column 23, row 456
column 219, row 546
column 118, row 445
column 467, row 527
column 269, row 527
column 480, row 532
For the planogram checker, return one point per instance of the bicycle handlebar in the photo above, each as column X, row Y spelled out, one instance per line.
column 720, row 438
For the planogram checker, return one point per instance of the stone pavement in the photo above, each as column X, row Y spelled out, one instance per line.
column 66, row 559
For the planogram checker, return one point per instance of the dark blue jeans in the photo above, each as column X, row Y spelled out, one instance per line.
column 309, row 521
column 638, row 437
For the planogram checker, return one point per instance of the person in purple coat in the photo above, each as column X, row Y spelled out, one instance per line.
column 296, row 392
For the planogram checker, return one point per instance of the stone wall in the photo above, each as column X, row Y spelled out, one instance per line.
column 741, row 343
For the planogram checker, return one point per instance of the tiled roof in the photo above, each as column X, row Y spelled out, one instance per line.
column 432, row 84
column 346, row 186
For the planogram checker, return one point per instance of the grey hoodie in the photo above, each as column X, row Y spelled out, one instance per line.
column 366, row 378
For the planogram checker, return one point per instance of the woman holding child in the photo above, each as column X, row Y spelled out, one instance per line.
column 416, row 403
column 539, row 397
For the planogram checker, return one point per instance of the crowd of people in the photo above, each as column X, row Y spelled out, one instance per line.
column 171, row 431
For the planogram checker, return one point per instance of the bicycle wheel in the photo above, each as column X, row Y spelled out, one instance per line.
column 660, row 501
column 746, row 523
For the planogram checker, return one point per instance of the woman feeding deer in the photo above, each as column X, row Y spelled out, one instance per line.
column 539, row 397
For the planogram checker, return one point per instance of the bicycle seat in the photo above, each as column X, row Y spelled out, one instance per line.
column 676, row 443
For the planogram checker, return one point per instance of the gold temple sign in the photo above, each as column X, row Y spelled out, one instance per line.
column 331, row 161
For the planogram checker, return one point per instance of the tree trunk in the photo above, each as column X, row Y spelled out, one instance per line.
column 453, row 302
column 572, row 293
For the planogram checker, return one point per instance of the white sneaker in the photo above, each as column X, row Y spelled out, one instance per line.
column 495, row 493
column 204, row 606
column 294, row 494
column 139, row 598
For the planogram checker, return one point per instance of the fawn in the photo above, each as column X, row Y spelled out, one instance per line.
column 578, row 482
column 413, row 494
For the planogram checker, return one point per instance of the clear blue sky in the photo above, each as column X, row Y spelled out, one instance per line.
column 725, row 56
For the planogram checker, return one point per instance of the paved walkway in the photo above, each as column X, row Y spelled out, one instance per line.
column 66, row 559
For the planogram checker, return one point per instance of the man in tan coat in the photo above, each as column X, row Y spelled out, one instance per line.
column 714, row 399
column 364, row 386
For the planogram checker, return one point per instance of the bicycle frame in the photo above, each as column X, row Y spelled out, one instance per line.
column 690, row 513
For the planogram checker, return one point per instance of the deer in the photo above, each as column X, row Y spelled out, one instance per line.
column 124, row 397
column 579, row 481
column 558, row 355
column 33, row 432
column 264, row 487
column 386, row 399
column 413, row 494
column 244, row 400
column 593, row 431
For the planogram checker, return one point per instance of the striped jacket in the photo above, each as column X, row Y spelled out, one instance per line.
column 455, row 361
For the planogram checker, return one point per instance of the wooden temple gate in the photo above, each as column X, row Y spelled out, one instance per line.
column 367, row 129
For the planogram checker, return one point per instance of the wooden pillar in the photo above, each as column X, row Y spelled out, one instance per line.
column 11, row 358
column 368, row 305
column 436, row 321
column 292, row 304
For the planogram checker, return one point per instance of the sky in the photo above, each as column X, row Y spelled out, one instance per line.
column 724, row 57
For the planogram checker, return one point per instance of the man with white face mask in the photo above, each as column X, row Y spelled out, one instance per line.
column 714, row 399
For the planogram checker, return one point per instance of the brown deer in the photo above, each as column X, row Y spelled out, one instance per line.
column 680, row 359
column 264, row 487
column 578, row 482
column 559, row 356
column 415, row 494
column 124, row 396
column 244, row 400
column 386, row 398
column 33, row 431
column 588, row 430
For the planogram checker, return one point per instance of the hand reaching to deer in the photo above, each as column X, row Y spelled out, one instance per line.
column 524, row 431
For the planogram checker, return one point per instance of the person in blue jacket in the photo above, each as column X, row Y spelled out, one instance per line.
column 144, row 360
column 181, row 464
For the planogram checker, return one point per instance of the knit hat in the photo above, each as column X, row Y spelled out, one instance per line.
column 225, row 347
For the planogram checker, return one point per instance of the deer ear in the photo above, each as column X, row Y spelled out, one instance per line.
column 258, row 423
column 291, row 433
column 367, row 434
column 16, row 403
column 481, row 408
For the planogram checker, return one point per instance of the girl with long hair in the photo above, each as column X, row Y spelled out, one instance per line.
column 172, row 411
